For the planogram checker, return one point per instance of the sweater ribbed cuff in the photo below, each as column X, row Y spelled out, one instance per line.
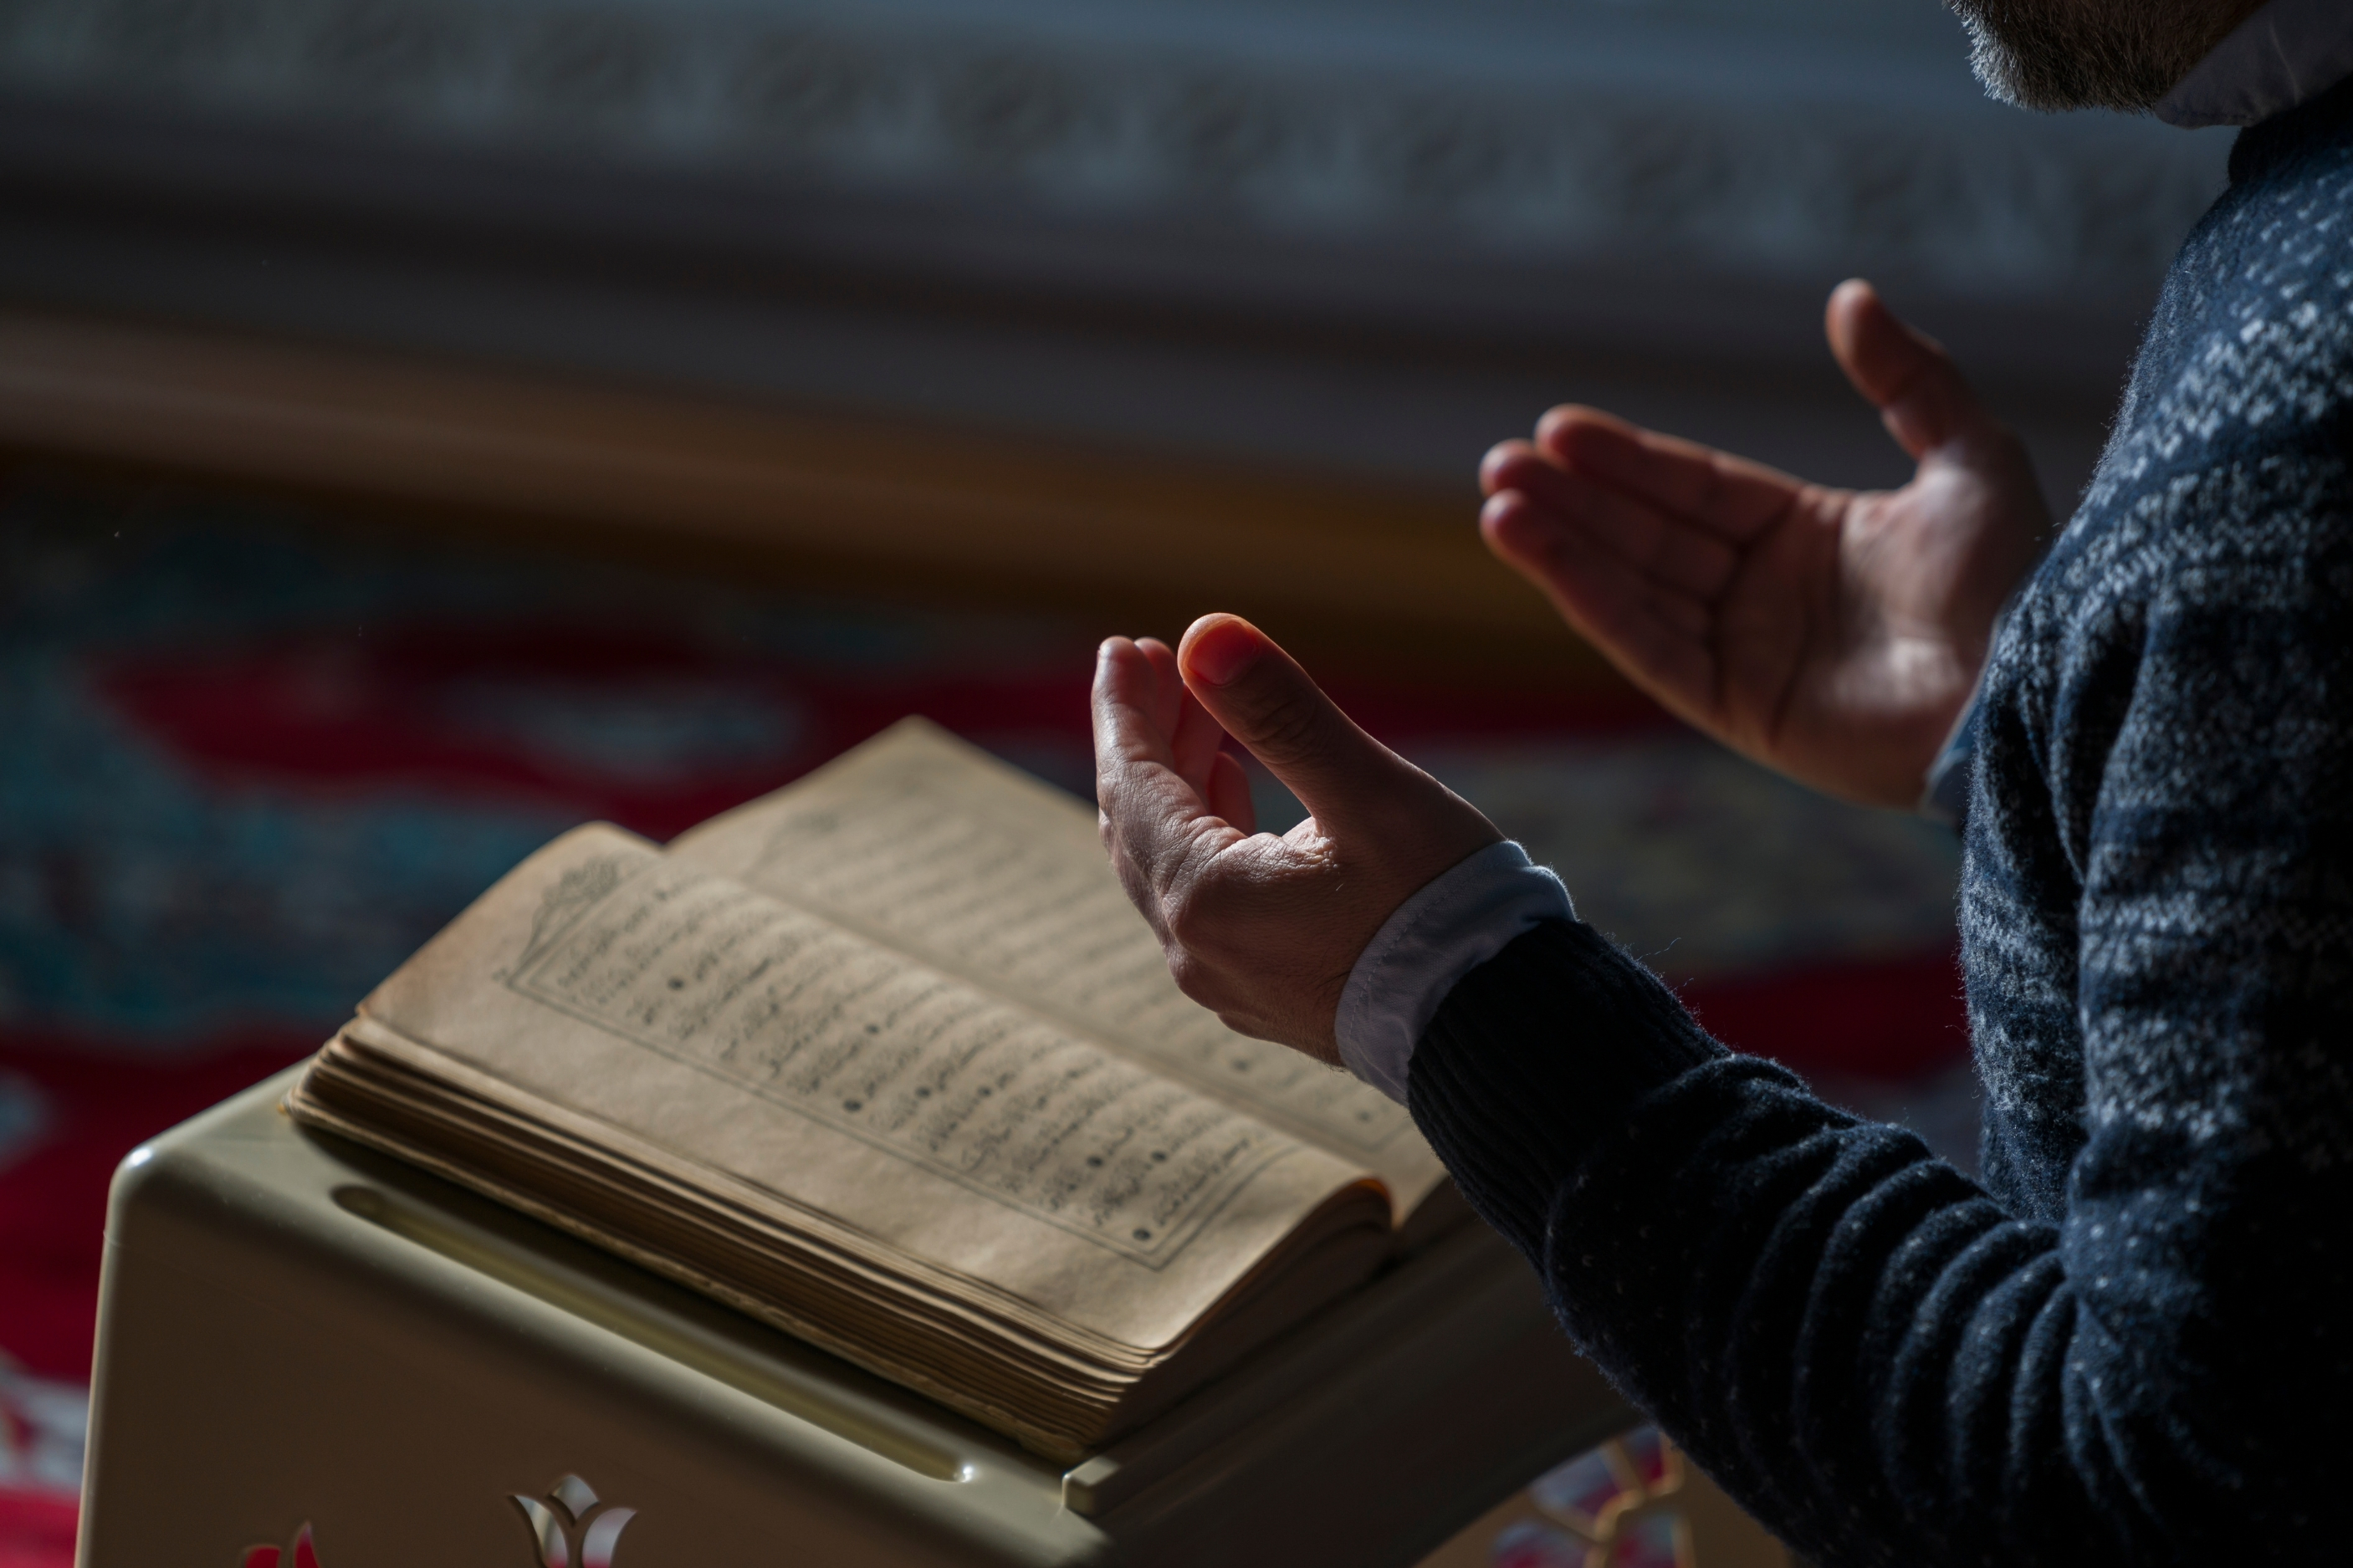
column 1537, row 1054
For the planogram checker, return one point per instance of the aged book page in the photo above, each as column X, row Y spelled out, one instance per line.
column 933, row 848
column 746, row 1054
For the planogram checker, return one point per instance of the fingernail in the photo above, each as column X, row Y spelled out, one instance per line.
column 1220, row 654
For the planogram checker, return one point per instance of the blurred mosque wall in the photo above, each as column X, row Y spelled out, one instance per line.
column 1348, row 237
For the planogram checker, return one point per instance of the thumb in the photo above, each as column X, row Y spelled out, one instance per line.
column 1271, row 706
column 1906, row 373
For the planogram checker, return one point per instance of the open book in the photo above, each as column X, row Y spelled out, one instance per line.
column 886, row 1059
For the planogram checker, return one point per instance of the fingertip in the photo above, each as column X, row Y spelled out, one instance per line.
column 1841, row 317
column 1112, row 652
column 1204, row 623
column 1900, row 370
column 1869, row 343
column 1500, row 460
column 1158, row 655
column 1514, row 465
column 1565, row 431
column 1110, row 655
column 1516, row 528
column 1499, row 509
column 1865, row 328
column 1853, row 294
column 1219, row 647
column 1555, row 422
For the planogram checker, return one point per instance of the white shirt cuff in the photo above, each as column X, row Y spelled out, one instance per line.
column 1436, row 937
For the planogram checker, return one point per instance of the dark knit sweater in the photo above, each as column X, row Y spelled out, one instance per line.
column 2133, row 1341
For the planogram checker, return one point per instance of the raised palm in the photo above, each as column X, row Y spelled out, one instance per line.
column 1834, row 635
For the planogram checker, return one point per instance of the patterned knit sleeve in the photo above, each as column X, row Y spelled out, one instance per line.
column 2143, row 1352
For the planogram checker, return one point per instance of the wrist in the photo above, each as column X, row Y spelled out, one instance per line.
column 1456, row 923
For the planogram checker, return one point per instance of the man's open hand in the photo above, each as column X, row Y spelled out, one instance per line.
column 1830, row 634
column 1262, row 931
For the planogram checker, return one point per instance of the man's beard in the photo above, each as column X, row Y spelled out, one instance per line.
column 2092, row 54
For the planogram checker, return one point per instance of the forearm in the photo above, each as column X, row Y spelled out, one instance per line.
column 1849, row 1334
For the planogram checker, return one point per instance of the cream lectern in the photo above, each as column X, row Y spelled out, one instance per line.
column 313, row 1357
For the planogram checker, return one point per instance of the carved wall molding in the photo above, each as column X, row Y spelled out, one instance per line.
column 1518, row 167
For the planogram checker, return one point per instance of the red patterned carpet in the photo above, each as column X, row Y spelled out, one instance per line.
column 253, row 765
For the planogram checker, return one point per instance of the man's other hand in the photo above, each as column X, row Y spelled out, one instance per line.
column 1260, row 930
column 1834, row 635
